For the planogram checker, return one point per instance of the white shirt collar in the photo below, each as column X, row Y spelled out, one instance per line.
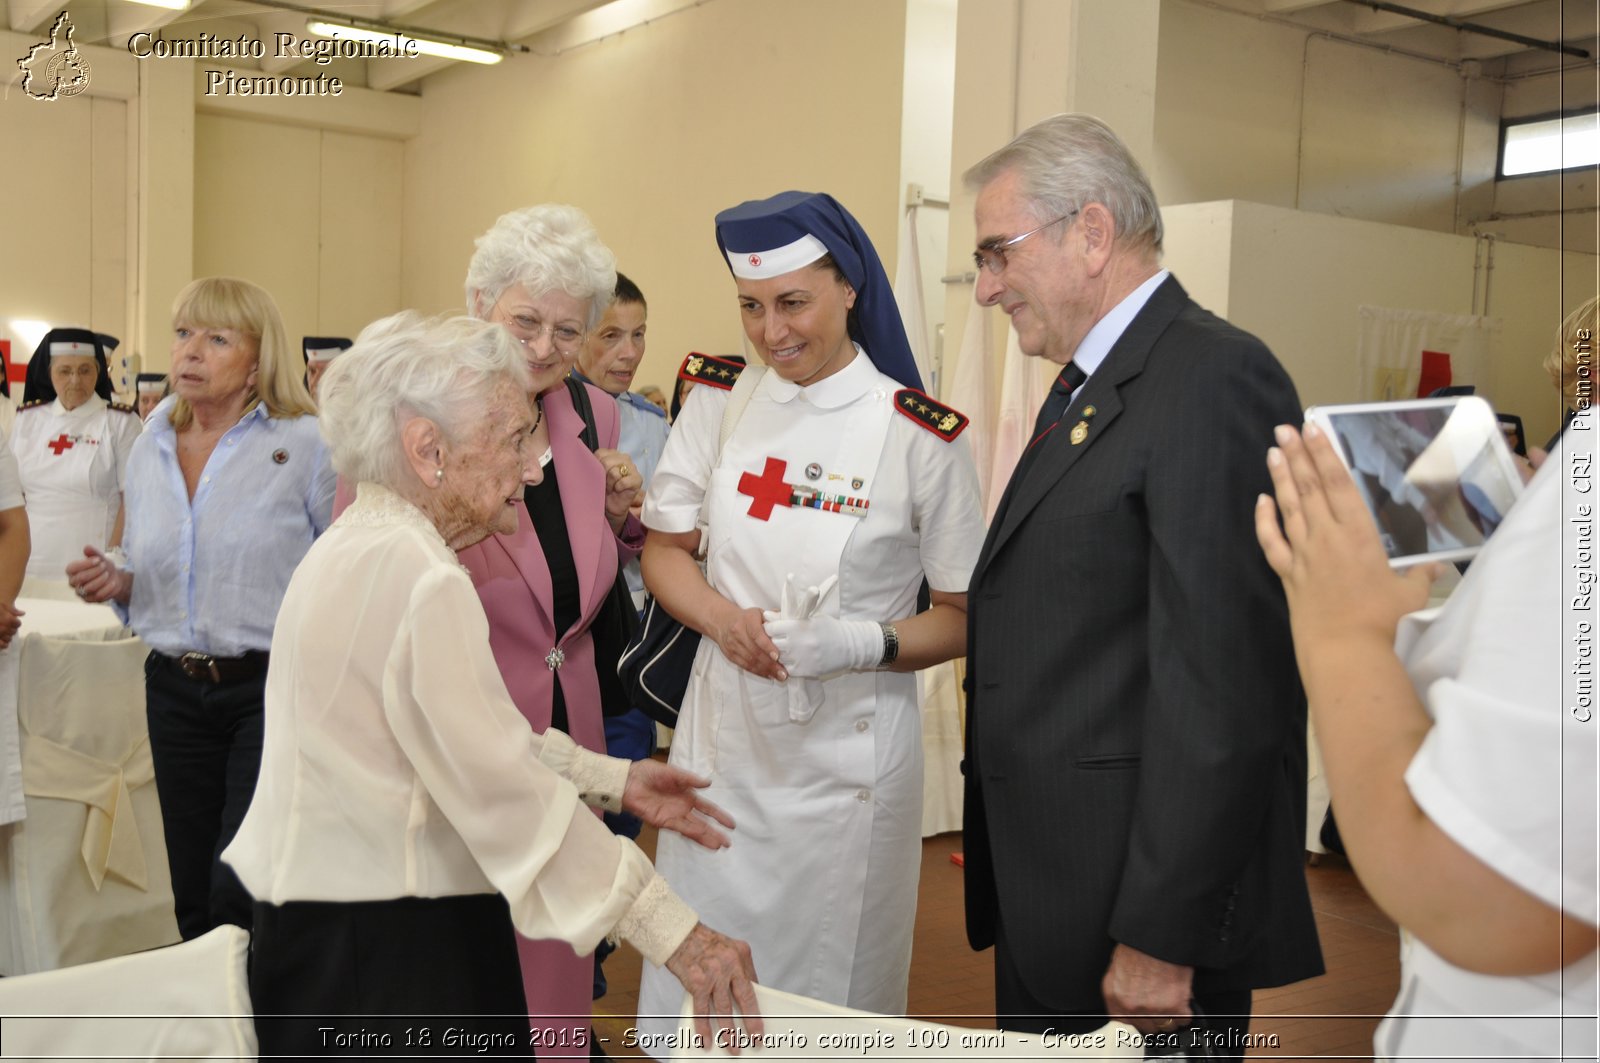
column 1109, row 329
column 88, row 405
column 831, row 392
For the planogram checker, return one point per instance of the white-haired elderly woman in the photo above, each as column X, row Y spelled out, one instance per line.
column 543, row 274
column 407, row 817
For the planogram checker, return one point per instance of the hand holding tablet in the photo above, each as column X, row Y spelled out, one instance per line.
column 1436, row 474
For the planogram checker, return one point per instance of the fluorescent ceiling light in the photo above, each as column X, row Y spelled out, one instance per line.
column 1555, row 144
column 405, row 41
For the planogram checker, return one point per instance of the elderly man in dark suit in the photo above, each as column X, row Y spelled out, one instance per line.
column 1135, row 773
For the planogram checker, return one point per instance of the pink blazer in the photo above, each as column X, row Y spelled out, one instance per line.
column 513, row 583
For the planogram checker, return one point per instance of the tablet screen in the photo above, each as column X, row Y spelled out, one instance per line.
column 1435, row 474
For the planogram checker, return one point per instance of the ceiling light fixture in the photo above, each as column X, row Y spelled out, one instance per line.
column 463, row 49
column 170, row 5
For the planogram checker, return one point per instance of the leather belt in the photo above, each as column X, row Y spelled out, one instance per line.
column 205, row 668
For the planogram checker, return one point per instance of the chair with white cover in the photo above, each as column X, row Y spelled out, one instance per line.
column 798, row 1027
column 188, row 1001
column 84, row 876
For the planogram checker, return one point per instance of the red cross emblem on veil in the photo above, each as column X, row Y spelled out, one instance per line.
column 755, row 260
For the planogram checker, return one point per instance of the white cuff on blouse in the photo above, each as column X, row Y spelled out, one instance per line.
column 658, row 922
column 600, row 779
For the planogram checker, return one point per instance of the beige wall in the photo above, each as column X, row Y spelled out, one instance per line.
column 64, row 202
column 652, row 132
column 1250, row 109
column 1296, row 279
column 312, row 216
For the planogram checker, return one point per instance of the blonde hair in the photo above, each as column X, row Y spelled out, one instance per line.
column 1571, row 364
column 227, row 302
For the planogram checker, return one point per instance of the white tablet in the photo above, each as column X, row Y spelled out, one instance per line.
column 1436, row 473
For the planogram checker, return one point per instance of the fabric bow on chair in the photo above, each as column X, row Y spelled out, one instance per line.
column 111, row 842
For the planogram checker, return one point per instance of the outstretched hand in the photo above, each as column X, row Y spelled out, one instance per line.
column 664, row 796
column 720, row 975
column 1328, row 553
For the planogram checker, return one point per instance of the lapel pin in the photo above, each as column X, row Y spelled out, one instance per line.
column 280, row 456
column 1080, row 432
column 1088, row 411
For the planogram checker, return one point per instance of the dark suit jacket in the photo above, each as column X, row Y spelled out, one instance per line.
column 1136, row 738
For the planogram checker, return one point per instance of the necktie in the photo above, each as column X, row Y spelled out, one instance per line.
column 1055, row 403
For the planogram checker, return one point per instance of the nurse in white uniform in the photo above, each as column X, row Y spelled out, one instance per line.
column 72, row 446
column 839, row 489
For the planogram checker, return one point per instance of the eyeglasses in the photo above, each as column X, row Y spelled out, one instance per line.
column 991, row 254
column 565, row 338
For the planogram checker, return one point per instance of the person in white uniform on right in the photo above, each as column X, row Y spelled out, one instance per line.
column 841, row 487
column 1463, row 771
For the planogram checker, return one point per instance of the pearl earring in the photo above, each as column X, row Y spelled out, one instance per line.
column 438, row 476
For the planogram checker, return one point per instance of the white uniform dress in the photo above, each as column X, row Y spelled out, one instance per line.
column 72, row 464
column 821, row 876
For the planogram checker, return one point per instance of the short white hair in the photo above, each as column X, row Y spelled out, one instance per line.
column 445, row 369
column 544, row 248
column 1068, row 160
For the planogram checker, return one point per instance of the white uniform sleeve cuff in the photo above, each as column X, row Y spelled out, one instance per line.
column 658, row 922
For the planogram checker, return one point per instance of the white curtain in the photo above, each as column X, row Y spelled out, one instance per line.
column 1406, row 354
column 1022, row 390
column 908, row 294
column 937, row 687
column 966, row 387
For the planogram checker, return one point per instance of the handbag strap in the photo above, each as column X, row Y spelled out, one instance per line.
column 580, row 402
column 738, row 399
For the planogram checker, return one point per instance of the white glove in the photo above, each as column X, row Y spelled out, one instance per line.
column 805, row 695
column 810, row 645
column 825, row 645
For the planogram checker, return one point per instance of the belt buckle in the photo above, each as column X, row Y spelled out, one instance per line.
column 198, row 665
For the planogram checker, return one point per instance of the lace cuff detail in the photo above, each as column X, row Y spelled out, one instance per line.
column 600, row 779
column 658, row 922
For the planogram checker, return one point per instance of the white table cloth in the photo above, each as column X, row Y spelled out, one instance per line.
column 53, row 619
column 798, row 1027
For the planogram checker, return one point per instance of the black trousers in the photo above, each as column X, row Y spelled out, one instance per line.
column 412, row 976
column 1226, row 1013
column 205, row 741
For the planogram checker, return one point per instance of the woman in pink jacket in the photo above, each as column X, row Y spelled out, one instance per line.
column 543, row 273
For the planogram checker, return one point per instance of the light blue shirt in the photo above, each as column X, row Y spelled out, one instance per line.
column 209, row 575
column 1094, row 347
column 643, row 434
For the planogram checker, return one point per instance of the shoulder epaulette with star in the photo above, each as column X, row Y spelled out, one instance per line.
column 120, row 408
column 935, row 416
column 708, row 369
column 34, row 404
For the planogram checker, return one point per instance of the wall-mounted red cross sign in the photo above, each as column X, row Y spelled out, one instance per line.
column 59, row 444
column 767, row 490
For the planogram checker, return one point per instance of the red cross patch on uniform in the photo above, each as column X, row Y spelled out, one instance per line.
column 931, row 414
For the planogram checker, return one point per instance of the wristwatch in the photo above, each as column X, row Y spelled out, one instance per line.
column 891, row 645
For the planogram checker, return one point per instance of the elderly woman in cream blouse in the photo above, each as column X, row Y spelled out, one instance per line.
column 407, row 818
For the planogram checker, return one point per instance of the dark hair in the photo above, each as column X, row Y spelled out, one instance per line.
column 627, row 291
column 827, row 262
